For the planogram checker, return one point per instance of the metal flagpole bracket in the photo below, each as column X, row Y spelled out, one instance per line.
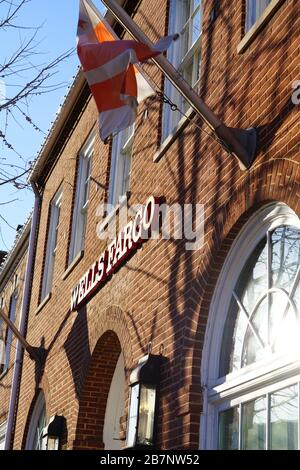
column 30, row 349
column 248, row 140
column 240, row 143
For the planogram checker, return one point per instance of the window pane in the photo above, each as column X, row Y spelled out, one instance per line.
column 253, row 278
column 285, row 243
column 252, row 283
column 196, row 27
column 87, row 175
column 186, row 9
column 229, row 429
column 133, row 411
column 119, row 182
column 284, row 419
column 2, row 435
column 51, row 244
column 256, row 338
column 235, row 328
column 254, row 10
column 254, row 425
column 146, row 416
column 39, row 442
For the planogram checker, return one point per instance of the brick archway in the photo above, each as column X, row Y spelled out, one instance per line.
column 93, row 400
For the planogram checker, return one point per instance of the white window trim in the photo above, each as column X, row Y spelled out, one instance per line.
column 260, row 374
column 49, row 261
column 80, row 213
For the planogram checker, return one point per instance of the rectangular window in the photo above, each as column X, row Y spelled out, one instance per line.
column 254, row 9
column 185, row 55
column 120, row 171
column 267, row 422
column 81, row 199
column 51, row 244
column 2, row 435
column 9, row 334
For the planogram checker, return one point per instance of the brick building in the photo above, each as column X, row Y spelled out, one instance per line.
column 12, row 275
column 225, row 317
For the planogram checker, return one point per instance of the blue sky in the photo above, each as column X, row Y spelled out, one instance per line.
column 57, row 34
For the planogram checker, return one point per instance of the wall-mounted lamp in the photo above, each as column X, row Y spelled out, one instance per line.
column 144, row 383
column 53, row 432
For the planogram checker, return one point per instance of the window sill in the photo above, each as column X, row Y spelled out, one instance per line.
column 43, row 303
column 72, row 265
column 173, row 135
column 103, row 225
column 259, row 25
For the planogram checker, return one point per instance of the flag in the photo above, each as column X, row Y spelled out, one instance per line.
column 117, row 85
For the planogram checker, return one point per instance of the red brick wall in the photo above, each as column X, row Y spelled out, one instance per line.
column 162, row 295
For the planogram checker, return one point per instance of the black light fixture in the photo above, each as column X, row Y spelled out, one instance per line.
column 53, row 432
column 144, row 382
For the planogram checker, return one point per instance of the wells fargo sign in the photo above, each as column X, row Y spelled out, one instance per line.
column 120, row 249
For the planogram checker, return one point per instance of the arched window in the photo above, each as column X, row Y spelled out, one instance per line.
column 35, row 439
column 251, row 359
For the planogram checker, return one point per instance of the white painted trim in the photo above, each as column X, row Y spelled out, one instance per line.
column 252, row 377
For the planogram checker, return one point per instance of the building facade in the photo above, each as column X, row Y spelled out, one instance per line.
column 222, row 316
column 12, row 274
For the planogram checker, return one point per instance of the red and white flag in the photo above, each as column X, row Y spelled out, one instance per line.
column 116, row 84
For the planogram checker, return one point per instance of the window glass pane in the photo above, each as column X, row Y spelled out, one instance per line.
column 56, row 217
column 252, row 283
column 196, row 26
column 256, row 338
column 39, row 442
column 87, row 174
column 229, row 429
column 284, row 419
column 186, row 8
column 254, row 424
column 284, row 326
column 133, row 411
column 285, row 242
column 120, row 171
column 2, row 435
column 235, row 328
column 146, row 416
column 254, row 10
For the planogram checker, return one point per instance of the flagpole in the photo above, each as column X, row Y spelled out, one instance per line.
column 25, row 344
column 242, row 143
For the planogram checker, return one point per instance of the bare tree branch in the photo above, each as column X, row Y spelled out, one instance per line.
column 23, row 75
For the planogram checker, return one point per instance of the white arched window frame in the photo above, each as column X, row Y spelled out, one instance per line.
column 35, row 440
column 252, row 381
